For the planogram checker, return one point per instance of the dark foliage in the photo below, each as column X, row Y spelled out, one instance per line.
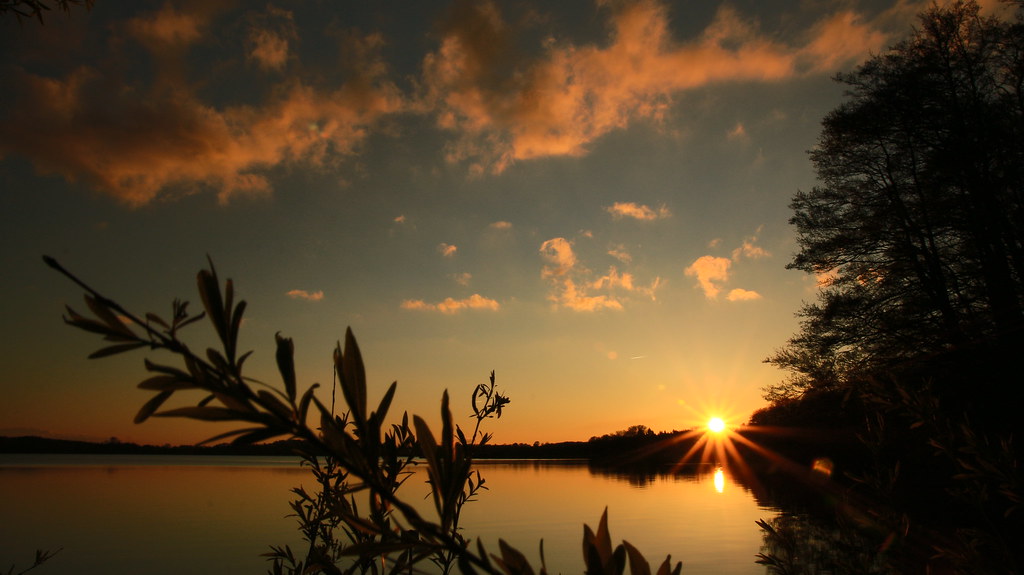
column 916, row 340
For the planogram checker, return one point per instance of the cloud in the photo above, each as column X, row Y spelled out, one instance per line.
column 710, row 271
column 160, row 135
column 504, row 107
column 270, row 36
column 619, row 252
column 838, row 40
column 558, row 254
column 738, row 133
column 167, row 29
column 750, row 250
column 739, row 294
column 138, row 139
column 399, row 219
column 572, row 286
column 303, row 294
column 639, row 212
column 613, row 280
column 447, row 250
column 571, row 297
column 462, row 278
column 501, row 225
column 451, row 306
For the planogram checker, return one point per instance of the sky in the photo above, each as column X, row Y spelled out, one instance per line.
column 588, row 197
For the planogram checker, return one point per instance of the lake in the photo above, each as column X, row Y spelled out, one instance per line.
column 210, row 514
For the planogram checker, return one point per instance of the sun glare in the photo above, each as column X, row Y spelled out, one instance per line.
column 716, row 425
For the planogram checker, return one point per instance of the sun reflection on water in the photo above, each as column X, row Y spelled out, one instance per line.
column 719, row 480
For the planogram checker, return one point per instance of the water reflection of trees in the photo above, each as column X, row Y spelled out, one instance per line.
column 643, row 475
column 804, row 544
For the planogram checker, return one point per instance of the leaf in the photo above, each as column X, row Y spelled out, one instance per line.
column 385, row 403
column 352, row 375
column 286, row 363
column 81, row 322
column 152, row 405
column 274, row 405
column 165, row 383
column 637, row 564
column 208, row 414
column 667, row 569
column 619, row 560
column 304, row 402
column 603, row 538
column 591, row 556
column 155, row 367
column 102, row 311
column 153, row 318
column 428, row 445
column 209, row 291
column 513, row 560
column 447, row 432
column 236, row 324
column 115, row 349
column 257, row 434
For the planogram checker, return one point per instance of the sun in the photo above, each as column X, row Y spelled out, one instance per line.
column 716, row 425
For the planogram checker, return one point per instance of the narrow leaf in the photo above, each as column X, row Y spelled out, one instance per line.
column 637, row 564
column 274, row 405
column 152, row 405
column 152, row 317
column 385, row 403
column 257, row 435
column 165, row 383
column 286, row 364
column 304, row 402
column 353, row 378
column 207, row 414
column 103, row 312
column 513, row 560
column 209, row 291
column 115, row 349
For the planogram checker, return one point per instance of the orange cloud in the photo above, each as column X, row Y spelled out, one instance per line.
column 637, row 211
column 271, row 34
column 710, row 271
column 572, row 286
column 558, row 103
column 138, row 142
column 167, row 29
column 614, row 279
column 447, row 250
column 749, row 249
column 501, row 225
column 572, row 298
column 838, row 40
column 742, row 295
column 620, row 253
column 450, row 305
column 303, row 294
column 559, row 255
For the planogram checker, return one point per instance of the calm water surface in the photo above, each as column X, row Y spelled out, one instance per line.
column 203, row 514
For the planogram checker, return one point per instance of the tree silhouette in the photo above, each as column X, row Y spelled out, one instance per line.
column 917, row 222
column 916, row 230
